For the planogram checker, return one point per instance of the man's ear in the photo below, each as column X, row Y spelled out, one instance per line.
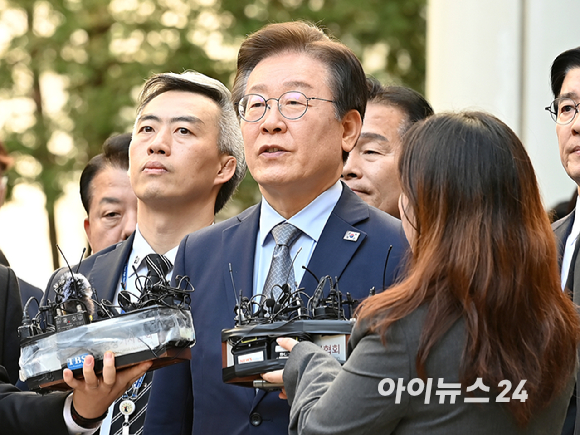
column 227, row 169
column 87, row 226
column 351, row 127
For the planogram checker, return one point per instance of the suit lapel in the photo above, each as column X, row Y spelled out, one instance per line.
column 333, row 251
column 107, row 269
column 562, row 229
column 239, row 242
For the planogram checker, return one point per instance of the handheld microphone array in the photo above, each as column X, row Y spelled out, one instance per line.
column 250, row 348
column 155, row 325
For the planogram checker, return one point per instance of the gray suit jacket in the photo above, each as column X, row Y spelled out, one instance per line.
column 328, row 399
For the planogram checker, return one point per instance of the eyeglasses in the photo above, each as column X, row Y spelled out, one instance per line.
column 292, row 105
column 563, row 110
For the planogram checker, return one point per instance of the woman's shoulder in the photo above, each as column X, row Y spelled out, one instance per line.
column 409, row 330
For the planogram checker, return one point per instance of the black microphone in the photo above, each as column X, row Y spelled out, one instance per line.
column 319, row 291
column 124, row 300
column 74, row 293
column 311, row 273
column 285, row 295
column 270, row 304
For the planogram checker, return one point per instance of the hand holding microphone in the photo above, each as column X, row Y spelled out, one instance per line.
column 277, row 376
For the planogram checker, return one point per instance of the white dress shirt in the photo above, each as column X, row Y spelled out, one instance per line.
column 139, row 251
column 136, row 262
column 73, row 428
column 570, row 245
column 310, row 220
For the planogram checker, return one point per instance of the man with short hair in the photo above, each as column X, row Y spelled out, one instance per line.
column 565, row 83
column 370, row 170
column 107, row 195
column 301, row 97
column 185, row 161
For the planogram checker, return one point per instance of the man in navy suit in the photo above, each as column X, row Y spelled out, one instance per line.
column 185, row 161
column 301, row 98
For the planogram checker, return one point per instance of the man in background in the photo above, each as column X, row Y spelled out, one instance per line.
column 107, row 196
column 371, row 168
column 185, row 161
column 565, row 84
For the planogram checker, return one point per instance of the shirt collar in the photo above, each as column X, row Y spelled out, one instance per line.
column 575, row 231
column 141, row 249
column 310, row 220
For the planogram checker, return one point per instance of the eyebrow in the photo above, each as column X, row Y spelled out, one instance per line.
column 373, row 136
column 290, row 84
column 188, row 119
column 109, row 200
column 571, row 95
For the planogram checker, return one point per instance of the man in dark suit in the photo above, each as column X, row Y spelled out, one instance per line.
column 301, row 98
column 11, row 318
column 185, row 161
column 565, row 83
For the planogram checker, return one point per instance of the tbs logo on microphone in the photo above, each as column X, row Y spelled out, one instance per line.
column 76, row 362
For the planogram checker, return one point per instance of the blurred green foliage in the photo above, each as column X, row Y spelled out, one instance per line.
column 94, row 55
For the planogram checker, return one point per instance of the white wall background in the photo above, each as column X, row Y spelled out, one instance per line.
column 496, row 55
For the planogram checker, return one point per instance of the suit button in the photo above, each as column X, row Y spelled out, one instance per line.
column 255, row 419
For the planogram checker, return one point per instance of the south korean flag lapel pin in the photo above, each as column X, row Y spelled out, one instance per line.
column 351, row 236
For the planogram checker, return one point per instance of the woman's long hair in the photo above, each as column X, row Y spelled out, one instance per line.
column 484, row 251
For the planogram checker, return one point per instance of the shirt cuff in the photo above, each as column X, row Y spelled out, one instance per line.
column 73, row 428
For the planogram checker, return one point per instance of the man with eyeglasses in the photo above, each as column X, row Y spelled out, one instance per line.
column 565, row 83
column 301, row 98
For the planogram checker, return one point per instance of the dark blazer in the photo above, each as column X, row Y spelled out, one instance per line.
column 192, row 399
column 28, row 413
column 562, row 230
column 27, row 290
column 103, row 270
column 10, row 320
column 328, row 399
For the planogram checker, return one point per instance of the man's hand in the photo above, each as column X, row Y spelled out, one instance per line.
column 277, row 376
column 93, row 395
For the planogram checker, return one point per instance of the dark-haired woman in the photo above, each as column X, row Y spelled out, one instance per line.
column 478, row 338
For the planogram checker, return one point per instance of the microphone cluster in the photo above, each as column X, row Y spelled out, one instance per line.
column 154, row 325
column 297, row 305
column 250, row 348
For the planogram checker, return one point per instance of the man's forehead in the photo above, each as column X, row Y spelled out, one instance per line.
column 571, row 84
column 181, row 95
column 289, row 84
column 187, row 106
column 301, row 73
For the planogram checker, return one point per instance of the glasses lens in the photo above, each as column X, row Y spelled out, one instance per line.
column 293, row 104
column 565, row 109
column 252, row 107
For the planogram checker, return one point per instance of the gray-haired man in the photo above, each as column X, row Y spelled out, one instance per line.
column 185, row 161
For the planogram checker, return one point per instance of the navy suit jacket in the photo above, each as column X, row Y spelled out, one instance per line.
column 192, row 398
column 103, row 270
